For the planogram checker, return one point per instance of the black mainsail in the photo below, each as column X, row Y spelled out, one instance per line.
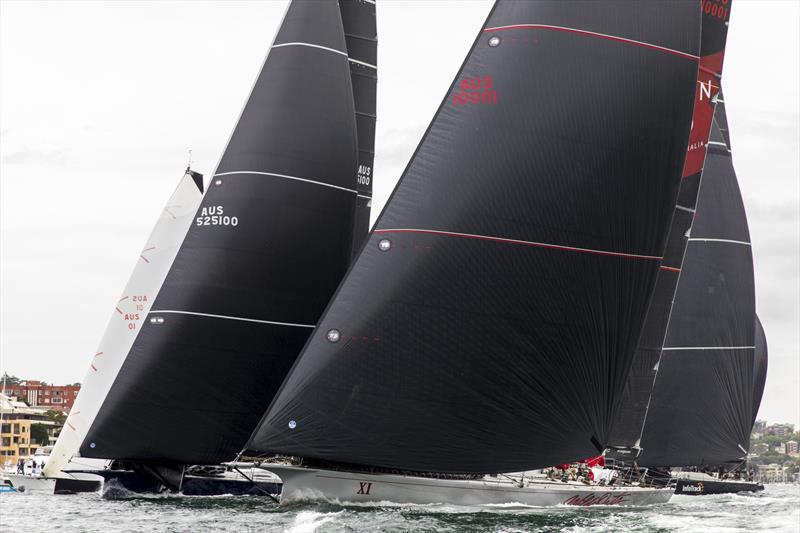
column 701, row 409
column 271, row 241
column 627, row 430
column 489, row 322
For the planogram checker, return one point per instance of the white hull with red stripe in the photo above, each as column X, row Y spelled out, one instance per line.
column 304, row 484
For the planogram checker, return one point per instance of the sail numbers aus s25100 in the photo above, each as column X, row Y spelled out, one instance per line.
column 214, row 215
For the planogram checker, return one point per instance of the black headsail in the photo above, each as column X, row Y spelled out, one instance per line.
column 489, row 322
column 700, row 411
column 360, row 31
column 760, row 364
column 272, row 240
column 627, row 430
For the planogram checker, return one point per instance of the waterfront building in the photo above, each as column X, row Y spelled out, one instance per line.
column 771, row 473
column 791, row 447
column 781, row 430
column 36, row 393
column 15, row 430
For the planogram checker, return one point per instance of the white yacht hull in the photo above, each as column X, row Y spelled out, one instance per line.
column 300, row 483
column 23, row 482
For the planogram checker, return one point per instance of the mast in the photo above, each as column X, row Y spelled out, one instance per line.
column 490, row 320
column 701, row 409
column 632, row 411
column 260, row 258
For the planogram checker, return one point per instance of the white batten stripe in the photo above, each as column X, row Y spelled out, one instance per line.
column 709, row 348
column 370, row 2
column 310, row 45
column 362, row 63
column 365, row 196
column 715, row 143
column 720, row 240
column 687, row 209
column 286, row 177
column 167, row 311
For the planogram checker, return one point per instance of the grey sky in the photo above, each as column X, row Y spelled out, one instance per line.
column 100, row 101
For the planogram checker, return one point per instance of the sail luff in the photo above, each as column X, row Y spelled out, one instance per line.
column 450, row 354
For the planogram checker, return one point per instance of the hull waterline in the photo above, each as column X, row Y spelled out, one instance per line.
column 303, row 484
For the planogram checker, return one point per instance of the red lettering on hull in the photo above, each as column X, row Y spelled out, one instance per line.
column 591, row 499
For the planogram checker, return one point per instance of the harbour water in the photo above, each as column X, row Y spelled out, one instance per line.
column 777, row 509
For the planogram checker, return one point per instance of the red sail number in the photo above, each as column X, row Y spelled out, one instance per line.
column 478, row 90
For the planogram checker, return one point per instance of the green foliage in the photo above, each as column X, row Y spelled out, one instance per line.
column 39, row 434
column 11, row 380
column 56, row 416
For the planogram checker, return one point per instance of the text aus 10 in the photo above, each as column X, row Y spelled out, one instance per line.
column 479, row 90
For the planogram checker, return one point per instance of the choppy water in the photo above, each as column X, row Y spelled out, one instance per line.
column 777, row 509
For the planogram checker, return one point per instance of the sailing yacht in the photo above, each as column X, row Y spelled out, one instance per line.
column 713, row 366
column 236, row 274
column 489, row 322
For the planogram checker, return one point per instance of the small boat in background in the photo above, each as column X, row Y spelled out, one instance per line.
column 699, row 484
column 33, row 478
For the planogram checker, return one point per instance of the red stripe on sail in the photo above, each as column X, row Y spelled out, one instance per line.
column 520, row 242
column 595, row 34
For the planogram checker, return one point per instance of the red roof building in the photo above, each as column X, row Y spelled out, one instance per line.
column 35, row 393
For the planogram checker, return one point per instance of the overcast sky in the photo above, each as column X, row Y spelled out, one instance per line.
column 100, row 101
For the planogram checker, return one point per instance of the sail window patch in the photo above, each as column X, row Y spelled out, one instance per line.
column 157, row 320
column 218, row 182
column 92, row 445
column 292, row 424
column 384, row 245
column 333, row 335
column 494, row 41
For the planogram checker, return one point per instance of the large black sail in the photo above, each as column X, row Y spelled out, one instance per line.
column 633, row 407
column 701, row 407
column 360, row 31
column 760, row 364
column 489, row 322
column 271, row 242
